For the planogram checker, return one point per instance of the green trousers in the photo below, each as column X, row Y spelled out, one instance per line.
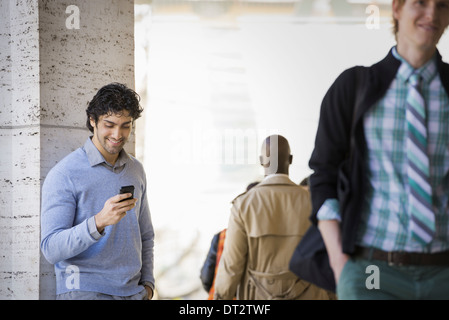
column 363, row 279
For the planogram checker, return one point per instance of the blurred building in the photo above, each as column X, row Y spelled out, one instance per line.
column 217, row 77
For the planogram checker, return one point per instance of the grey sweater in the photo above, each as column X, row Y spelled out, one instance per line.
column 116, row 262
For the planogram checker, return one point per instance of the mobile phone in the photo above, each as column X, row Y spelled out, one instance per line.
column 127, row 189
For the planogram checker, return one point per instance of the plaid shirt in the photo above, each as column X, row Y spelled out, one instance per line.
column 385, row 217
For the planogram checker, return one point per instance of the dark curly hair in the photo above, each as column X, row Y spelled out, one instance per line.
column 113, row 98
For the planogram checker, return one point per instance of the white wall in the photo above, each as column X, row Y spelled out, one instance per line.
column 253, row 75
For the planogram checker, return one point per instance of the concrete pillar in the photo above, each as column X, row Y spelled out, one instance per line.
column 55, row 55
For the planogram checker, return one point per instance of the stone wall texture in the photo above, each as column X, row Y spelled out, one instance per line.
column 54, row 56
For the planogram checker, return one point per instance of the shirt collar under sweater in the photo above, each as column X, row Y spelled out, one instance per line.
column 95, row 157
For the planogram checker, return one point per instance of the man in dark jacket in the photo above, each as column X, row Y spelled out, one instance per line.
column 362, row 205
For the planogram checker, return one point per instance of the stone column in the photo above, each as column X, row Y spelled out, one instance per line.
column 55, row 55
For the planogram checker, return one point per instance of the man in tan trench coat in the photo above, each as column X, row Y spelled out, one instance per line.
column 265, row 225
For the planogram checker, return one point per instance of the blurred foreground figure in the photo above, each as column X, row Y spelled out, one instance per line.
column 383, row 212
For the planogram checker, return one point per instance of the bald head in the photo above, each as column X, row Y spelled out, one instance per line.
column 275, row 155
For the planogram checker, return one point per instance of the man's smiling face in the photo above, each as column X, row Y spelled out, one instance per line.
column 421, row 22
column 111, row 132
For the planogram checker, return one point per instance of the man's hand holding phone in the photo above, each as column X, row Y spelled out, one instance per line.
column 115, row 208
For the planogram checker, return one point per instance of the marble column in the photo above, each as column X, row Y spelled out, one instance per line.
column 54, row 56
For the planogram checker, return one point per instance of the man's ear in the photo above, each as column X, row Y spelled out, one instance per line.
column 396, row 9
column 92, row 122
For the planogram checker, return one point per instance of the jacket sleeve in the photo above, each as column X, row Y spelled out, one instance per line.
column 332, row 140
column 232, row 264
column 208, row 270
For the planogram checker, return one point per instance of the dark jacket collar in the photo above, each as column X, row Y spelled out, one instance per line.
column 381, row 74
column 384, row 72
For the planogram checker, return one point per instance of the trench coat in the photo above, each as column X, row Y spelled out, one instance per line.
column 265, row 226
